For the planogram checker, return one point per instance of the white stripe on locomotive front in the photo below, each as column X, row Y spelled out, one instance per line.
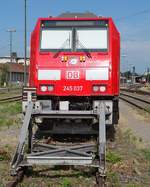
column 49, row 74
column 97, row 74
column 91, row 74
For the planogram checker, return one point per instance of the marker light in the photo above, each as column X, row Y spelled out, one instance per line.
column 102, row 88
column 50, row 88
column 82, row 58
column 64, row 58
column 95, row 88
column 43, row 88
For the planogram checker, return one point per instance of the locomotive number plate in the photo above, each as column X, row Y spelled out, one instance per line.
column 73, row 88
column 72, row 75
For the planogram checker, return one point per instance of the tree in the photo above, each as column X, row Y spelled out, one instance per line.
column 4, row 74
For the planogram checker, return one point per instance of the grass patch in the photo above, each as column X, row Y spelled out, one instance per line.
column 7, row 122
column 112, row 157
column 146, row 154
column 8, row 112
column 10, row 108
column 129, row 137
column 132, row 185
column 4, row 155
column 66, row 182
column 113, row 179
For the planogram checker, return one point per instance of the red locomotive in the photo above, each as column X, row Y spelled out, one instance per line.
column 73, row 89
column 76, row 60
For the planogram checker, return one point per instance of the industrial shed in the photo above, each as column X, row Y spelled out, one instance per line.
column 15, row 70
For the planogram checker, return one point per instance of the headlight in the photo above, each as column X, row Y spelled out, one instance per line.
column 99, row 88
column 43, row 88
column 95, row 88
column 50, row 88
column 102, row 88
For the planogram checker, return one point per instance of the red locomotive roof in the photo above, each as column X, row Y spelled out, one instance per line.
column 75, row 18
column 78, row 14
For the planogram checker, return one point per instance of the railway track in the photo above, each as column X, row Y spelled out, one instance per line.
column 10, row 90
column 11, row 99
column 17, row 179
column 140, row 101
column 140, row 92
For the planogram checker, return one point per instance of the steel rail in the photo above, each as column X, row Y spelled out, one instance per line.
column 141, row 92
column 9, row 90
column 134, row 100
column 137, row 97
column 11, row 99
column 16, row 179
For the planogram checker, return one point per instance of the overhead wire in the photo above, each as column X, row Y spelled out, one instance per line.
column 133, row 15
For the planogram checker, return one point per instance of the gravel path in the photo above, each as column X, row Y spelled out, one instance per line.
column 130, row 118
column 9, row 136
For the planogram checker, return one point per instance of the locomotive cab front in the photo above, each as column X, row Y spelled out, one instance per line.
column 74, row 65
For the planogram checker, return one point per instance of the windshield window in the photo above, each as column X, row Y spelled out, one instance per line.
column 74, row 39
column 93, row 38
column 56, row 39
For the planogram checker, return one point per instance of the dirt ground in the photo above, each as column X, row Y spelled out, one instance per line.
column 136, row 120
column 128, row 157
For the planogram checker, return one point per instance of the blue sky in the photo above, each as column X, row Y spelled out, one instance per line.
column 132, row 18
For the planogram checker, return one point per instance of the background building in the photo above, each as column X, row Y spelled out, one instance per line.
column 13, row 71
column 15, row 59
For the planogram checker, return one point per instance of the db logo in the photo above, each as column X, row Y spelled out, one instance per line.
column 72, row 74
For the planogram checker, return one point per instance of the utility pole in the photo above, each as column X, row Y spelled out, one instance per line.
column 124, row 77
column 148, row 75
column 25, row 42
column 10, row 51
column 133, row 74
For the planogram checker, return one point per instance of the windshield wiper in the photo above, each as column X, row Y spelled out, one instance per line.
column 83, row 48
column 62, row 47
